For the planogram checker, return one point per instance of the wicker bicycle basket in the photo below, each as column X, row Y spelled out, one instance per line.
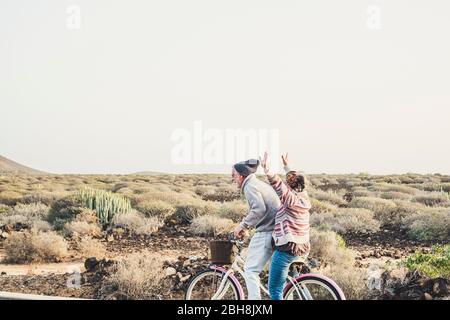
column 222, row 252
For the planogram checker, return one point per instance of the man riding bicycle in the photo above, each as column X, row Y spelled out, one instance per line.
column 263, row 205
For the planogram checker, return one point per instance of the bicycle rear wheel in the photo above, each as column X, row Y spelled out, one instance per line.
column 311, row 287
column 206, row 284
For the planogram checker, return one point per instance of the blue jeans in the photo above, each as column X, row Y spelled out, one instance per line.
column 278, row 272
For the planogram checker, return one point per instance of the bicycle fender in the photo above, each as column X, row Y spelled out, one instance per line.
column 232, row 277
column 288, row 284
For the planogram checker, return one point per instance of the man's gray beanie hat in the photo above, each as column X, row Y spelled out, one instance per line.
column 245, row 168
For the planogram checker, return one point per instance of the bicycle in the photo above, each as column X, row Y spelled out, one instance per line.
column 220, row 283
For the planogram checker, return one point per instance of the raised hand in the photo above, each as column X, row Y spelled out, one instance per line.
column 285, row 159
column 264, row 162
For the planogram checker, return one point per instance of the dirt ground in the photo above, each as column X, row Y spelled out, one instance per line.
column 55, row 278
column 384, row 247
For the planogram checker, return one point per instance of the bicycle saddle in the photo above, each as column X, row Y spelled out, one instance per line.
column 299, row 267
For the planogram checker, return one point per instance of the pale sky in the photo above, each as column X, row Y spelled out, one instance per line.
column 345, row 96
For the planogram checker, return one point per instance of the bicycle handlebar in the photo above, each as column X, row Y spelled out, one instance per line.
column 240, row 243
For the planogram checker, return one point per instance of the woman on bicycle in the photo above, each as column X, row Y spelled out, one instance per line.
column 291, row 234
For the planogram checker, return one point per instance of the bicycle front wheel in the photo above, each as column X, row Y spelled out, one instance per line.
column 209, row 285
column 313, row 287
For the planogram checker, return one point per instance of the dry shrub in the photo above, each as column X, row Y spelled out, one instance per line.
column 347, row 220
column 10, row 198
column 383, row 209
column 84, row 224
column 433, row 199
column 194, row 208
column 150, row 226
column 430, row 224
column 403, row 210
column 64, row 210
column 32, row 210
column 445, row 187
column 327, row 247
column 89, row 247
column 35, row 246
column 387, row 187
column 139, row 276
column 211, row 225
column 338, row 263
column 315, row 182
column 42, row 196
column 40, row 225
column 233, row 210
column 13, row 220
column 156, row 208
column 25, row 214
column 125, row 191
column 408, row 208
column 445, row 179
column 439, row 187
column 329, row 197
column 222, row 194
column 319, row 207
column 412, row 178
column 329, row 181
column 81, row 228
column 171, row 197
column 87, row 215
column 404, row 179
column 136, row 223
column 394, row 195
column 130, row 221
column 118, row 186
column 362, row 192
column 350, row 182
column 350, row 279
column 4, row 208
column 204, row 190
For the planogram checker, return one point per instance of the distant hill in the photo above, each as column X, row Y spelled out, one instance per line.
column 9, row 166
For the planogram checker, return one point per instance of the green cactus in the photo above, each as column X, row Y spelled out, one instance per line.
column 105, row 203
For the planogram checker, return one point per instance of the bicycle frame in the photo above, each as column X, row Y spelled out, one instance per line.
column 302, row 291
